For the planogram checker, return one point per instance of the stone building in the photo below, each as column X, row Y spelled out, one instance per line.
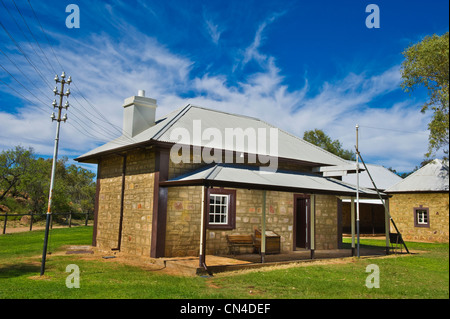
column 178, row 185
column 419, row 203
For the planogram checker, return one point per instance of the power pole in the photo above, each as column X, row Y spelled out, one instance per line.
column 55, row 153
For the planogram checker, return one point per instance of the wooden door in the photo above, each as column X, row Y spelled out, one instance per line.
column 302, row 229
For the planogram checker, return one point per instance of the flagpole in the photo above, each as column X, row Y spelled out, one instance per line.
column 357, row 192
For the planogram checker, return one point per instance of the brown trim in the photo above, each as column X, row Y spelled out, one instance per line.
column 122, row 198
column 294, row 228
column 154, row 237
column 202, row 255
column 231, row 208
column 94, row 157
column 96, row 205
column 160, row 194
column 195, row 182
column 339, row 223
column 416, row 223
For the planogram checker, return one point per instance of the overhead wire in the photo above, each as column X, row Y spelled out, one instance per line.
column 24, row 97
column 102, row 126
column 394, row 130
column 21, row 30
column 20, row 70
column 79, row 128
column 37, row 98
column 100, row 116
column 24, row 54
column 32, row 34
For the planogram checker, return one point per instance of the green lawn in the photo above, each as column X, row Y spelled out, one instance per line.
column 424, row 275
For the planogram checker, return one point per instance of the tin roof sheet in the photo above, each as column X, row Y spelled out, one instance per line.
column 252, row 176
column 433, row 177
column 288, row 145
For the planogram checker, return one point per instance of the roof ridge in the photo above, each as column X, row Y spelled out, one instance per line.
column 416, row 174
column 172, row 121
column 271, row 125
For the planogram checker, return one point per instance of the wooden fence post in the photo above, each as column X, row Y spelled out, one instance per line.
column 4, row 225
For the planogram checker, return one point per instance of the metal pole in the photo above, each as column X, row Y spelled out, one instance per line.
column 263, row 232
column 202, row 225
column 55, row 159
column 386, row 208
column 352, row 217
column 357, row 191
column 312, row 224
column 50, row 195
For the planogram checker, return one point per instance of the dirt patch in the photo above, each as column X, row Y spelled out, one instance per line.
column 37, row 277
column 16, row 226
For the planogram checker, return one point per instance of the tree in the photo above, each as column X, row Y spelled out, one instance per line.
column 22, row 175
column 14, row 164
column 35, row 185
column 319, row 138
column 427, row 64
column 80, row 188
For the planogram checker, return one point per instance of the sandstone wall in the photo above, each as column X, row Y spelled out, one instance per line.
column 326, row 232
column 138, row 202
column 402, row 210
column 184, row 214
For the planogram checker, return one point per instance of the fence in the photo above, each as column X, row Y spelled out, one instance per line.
column 68, row 218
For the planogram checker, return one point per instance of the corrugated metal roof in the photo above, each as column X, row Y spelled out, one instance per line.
column 251, row 176
column 382, row 177
column 433, row 177
column 289, row 146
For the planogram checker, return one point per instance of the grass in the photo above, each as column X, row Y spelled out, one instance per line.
column 424, row 275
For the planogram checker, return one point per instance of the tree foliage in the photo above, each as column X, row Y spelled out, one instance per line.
column 319, row 138
column 426, row 65
column 14, row 164
column 22, row 175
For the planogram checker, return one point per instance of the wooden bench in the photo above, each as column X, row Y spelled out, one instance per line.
column 236, row 241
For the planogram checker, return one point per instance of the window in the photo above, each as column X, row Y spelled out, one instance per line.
column 222, row 208
column 218, row 209
column 421, row 217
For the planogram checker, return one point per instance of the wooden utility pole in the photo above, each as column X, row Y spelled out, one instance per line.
column 55, row 154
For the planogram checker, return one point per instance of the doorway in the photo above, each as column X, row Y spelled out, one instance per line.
column 302, row 222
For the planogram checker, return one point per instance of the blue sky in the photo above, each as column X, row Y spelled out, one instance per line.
column 298, row 65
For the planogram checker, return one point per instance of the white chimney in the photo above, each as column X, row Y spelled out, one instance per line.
column 138, row 114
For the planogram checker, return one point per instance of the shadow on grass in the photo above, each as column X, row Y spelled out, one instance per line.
column 17, row 270
column 361, row 245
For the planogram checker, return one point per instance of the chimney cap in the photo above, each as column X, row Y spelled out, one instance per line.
column 141, row 93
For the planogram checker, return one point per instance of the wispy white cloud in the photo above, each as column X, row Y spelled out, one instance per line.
column 107, row 70
column 213, row 30
column 252, row 52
